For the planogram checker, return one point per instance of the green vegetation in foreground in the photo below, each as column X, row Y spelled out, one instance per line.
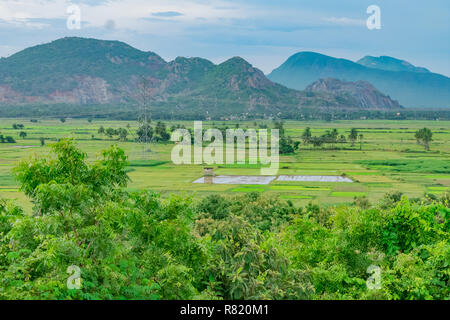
column 136, row 245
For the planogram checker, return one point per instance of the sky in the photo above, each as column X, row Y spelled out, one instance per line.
column 264, row 32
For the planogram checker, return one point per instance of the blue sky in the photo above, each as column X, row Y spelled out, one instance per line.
column 264, row 32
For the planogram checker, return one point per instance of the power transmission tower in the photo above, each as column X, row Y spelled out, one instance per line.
column 144, row 133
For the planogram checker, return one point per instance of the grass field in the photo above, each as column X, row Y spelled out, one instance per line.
column 390, row 160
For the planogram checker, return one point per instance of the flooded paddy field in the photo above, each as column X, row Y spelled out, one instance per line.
column 264, row 180
column 315, row 179
column 252, row 180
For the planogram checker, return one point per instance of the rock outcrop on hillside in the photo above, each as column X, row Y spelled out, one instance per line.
column 362, row 93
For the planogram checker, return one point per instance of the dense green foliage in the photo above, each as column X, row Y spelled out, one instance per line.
column 140, row 246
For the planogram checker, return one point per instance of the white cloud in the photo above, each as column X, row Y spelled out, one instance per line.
column 171, row 17
column 15, row 10
column 137, row 15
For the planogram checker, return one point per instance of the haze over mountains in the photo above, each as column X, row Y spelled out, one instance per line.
column 83, row 71
column 390, row 64
column 410, row 85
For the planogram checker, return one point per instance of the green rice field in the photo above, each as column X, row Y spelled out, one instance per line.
column 390, row 160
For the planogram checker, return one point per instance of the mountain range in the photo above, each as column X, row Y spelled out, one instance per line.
column 412, row 86
column 80, row 71
column 89, row 71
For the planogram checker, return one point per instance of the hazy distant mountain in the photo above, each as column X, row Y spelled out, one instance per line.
column 410, row 88
column 361, row 92
column 390, row 64
column 88, row 71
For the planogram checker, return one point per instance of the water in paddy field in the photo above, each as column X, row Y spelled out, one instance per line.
column 263, row 180
column 237, row 180
column 315, row 179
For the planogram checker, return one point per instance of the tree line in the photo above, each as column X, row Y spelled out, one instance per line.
column 144, row 133
column 332, row 137
column 194, row 112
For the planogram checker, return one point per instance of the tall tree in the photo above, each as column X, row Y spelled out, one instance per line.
column 361, row 137
column 144, row 132
column 424, row 137
column 123, row 133
column 161, row 131
column 332, row 137
column 110, row 132
column 306, row 136
column 280, row 126
column 353, row 136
